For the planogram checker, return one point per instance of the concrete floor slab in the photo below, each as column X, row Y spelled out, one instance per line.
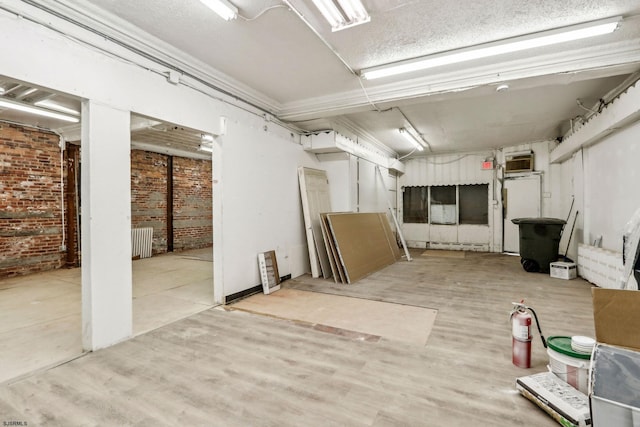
column 40, row 313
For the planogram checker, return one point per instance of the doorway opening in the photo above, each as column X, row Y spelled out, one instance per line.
column 171, row 222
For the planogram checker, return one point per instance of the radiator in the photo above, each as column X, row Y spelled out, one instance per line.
column 141, row 241
column 600, row 266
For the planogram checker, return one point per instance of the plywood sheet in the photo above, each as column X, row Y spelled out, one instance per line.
column 361, row 242
column 331, row 250
column 314, row 191
column 396, row 322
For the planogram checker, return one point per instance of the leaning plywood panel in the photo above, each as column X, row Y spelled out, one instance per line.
column 326, row 237
column 334, row 258
column 314, row 190
column 361, row 242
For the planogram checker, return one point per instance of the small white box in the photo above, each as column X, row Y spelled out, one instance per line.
column 563, row 270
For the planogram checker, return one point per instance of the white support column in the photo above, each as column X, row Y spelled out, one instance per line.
column 218, row 233
column 106, row 226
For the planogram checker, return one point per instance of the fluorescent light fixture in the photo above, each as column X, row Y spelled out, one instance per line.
column 330, row 12
column 343, row 14
column 411, row 138
column 206, row 148
column 355, row 10
column 223, row 8
column 27, row 92
column 19, row 106
column 46, row 103
column 516, row 44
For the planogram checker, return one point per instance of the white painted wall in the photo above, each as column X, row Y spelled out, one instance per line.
column 91, row 74
column 257, row 181
column 456, row 169
column 452, row 169
column 342, row 174
column 373, row 194
column 355, row 185
column 255, row 194
column 611, row 192
column 106, row 226
column 464, row 168
column 553, row 201
column 600, row 161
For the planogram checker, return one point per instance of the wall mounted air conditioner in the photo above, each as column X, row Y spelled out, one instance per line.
column 518, row 163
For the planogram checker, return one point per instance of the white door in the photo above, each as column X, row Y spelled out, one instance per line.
column 314, row 189
column 521, row 200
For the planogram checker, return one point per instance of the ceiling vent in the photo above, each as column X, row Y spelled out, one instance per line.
column 518, row 163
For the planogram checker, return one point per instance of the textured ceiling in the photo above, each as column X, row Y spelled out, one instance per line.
column 304, row 76
column 282, row 58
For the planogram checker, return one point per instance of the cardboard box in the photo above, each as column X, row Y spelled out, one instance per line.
column 615, row 383
column 616, row 314
column 563, row 270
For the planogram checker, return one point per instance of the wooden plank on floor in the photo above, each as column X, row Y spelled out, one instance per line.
column 395, row 322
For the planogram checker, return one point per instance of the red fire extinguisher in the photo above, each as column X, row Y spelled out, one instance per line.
column 521, row 334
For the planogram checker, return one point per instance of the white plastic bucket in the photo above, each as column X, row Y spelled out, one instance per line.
column 572, row 370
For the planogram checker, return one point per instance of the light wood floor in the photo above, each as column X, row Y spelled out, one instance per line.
column 231, row 368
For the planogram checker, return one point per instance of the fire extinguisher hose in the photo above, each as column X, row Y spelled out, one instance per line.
column 520, row 306
column 544, row 342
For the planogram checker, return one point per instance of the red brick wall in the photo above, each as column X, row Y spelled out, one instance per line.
column 149, row 195
column 30, row 201
column 192, row 204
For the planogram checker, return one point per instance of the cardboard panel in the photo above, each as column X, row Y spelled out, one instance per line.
column 361, row 242
column 331, row 251
column 616, row 314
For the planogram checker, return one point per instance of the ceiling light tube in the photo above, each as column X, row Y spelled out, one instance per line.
column 349, row 13
column 516, row 44
column 223, row 8
column 46, row 103
column 19, row 106
column 330, row 12
column 355, row 10
column 412, row 139
column 27, row 92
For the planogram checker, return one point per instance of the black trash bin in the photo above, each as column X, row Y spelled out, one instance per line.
column 539, row 241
